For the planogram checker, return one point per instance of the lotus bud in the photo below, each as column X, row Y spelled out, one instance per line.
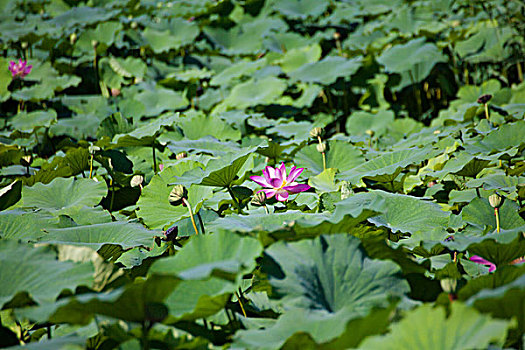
column 495, row 200
column 93, row 149
column 316, row 132
column 259, row 198
column 484, row 98
column 115, row 92
column 177, row 195
column 26, row 160
column 449, row 285
column 24, row 45
column 337, row 36
column 136, row 180
column 181, row 155
column 321, row 147
column 73, row 38
column 94, row 43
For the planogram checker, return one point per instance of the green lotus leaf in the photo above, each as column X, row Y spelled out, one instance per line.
column 339, row 155
column 27, row 122
column 480, row 214
column 327, row 70
column 146, row 134
column 37, row 272
column 415, row 59
column 171, row 35
column 387, row 166
column 496, row 182
column 74, row 342
column 301, row 9
column 206, row 144
column 325, row 181
column 505, row 138
column 64, row 194
column 254, row 92
column 157, row 100
column 215, row 127
column 119, row 233
column 328, row 274
column 465, row 328
column 360, row 122
column 220, row 172
column 506, row 301
column 296, row 57
column 154, row 207
column 223, row 254
column 25, row 225
column 341, row 330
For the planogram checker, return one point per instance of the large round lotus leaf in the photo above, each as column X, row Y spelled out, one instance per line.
column 26, row 122
column 506, row 137
column 154, row 206
column 171, row 35
column 255, row 92
column 37, row 272
column 332, row 273
column 360, row 122
column 25, row 225
column 220, row 172
column 215, row 126
column 223, row 254
column 314, row 330
column 480, row 213
column 118, row 233
column 424, row 220
column 407, row 57
column 327, row 70
column 301, row 9
column 206, row 144
column 506, row 301
column 339, row 155
column 387, row 166
column 214, row 266
column 295, row 58
column 146, row 134
column 157, row 100
column 64, row 194
column 428, row 328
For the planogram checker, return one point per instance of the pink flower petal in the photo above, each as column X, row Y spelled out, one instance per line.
column 260, row 181
column 282, row 171
column 269, row 193
column 276, row 183
column 282, row 196
column 294, row 174
column 272, row 173
column 296, row 188
column 479, row 260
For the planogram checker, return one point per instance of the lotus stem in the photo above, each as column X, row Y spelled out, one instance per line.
column 154, row 160
column 201, row 223
column 240, row 303
column 266, row 209
column 91, row 167
column 187, row 204
column 112, row 184
column 487, row 111
column 496, row 213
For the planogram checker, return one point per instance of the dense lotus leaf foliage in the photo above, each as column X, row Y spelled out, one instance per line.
column 262, row 174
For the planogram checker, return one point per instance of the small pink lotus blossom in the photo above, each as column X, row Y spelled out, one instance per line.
column 479, row 260
column 20, row 69
column 278, row 184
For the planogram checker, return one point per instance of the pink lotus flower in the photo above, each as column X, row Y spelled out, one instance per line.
column 20, row 69
column 479, row 260
column 278, row 184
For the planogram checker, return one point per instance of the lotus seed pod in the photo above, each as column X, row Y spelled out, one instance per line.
column 346, row 189
column 93, row 149
column 177, row 194
column 259, row 198
column 370, row 132
column 181, row 155
column 449, row 285
column 171, row 233
column 484, row 98
column 316, row 132
column 94, row 43
column 73, row 38
column 24, row 45
column 136, row 180
column 495, row 200
column 337, row 36
column 321, row 147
